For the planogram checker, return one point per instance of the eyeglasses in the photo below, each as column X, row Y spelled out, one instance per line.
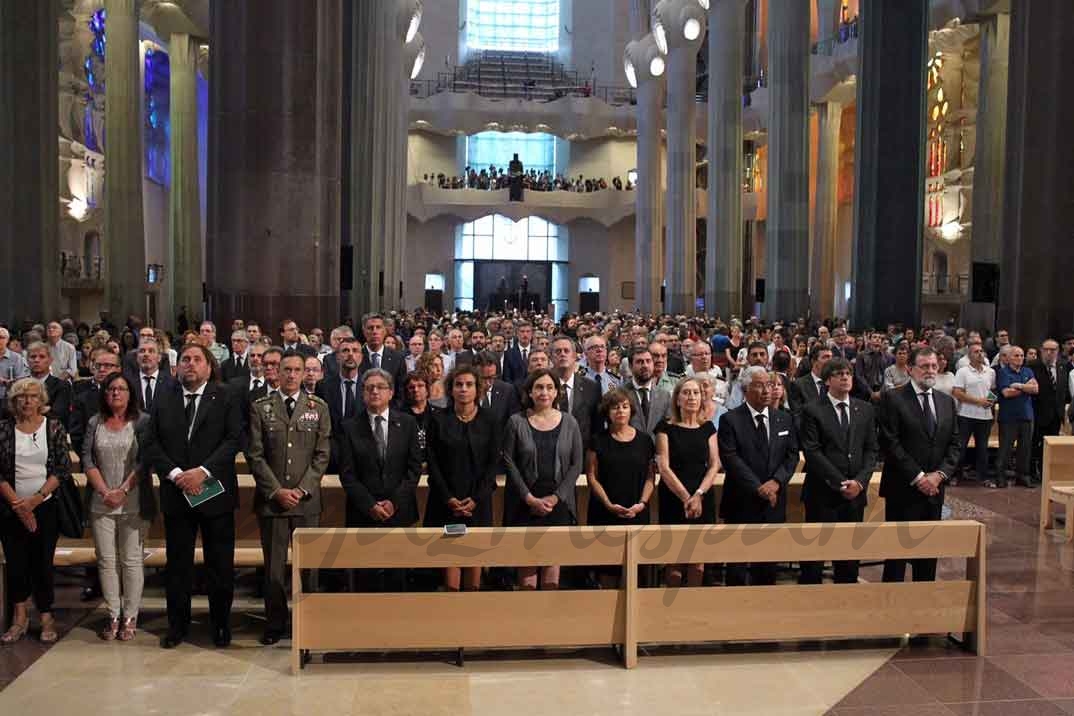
column 374, row 387
column 116, row 389
column 99, row 366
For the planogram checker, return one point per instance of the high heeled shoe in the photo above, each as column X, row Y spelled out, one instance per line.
column 14, row 633
column 109, row 632
column 48, row 630
column 128, row 631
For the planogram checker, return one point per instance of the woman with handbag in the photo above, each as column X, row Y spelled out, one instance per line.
column 33, row 463
column 122, row 504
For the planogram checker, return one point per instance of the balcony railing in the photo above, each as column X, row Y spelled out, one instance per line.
column 82, row 273
column 847, row 31
column 942, row 284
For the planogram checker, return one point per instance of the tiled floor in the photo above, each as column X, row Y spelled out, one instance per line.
column 1029, row 670
column 1030, row 666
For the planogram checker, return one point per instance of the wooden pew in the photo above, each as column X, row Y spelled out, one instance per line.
column 630, row 616
column 1057, row 482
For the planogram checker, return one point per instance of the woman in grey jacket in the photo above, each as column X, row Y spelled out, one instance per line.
column 543, row 454
column 122, row 501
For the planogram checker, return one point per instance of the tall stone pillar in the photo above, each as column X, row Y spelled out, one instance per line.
column 1038, row 252
column 649, row 193
column 889, row 163
column 273, row 241
column 724, row 237
column 124, row 228
column 29, row 160
column 377, row 179
column 826, row 212
column 827, row 19
column 787, row 229
column 680, row 262
column 989, row 160
column 184, row 211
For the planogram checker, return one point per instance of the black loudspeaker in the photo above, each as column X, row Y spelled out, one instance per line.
column 663, row 290
column 758, row 290
column 588, row 302
column 346, row 268
column 434, row 300
column 985, row 282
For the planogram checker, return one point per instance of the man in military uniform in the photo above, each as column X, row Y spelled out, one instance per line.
column 289, row 449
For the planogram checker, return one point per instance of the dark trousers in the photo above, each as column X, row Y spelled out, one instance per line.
column 29, row 556
column 218, row 545
column 915, row 510
column 275, row 540
column 1022, row 432
column 846, row 571
column 755, row 573
column 980, row 430
column 1040, row 431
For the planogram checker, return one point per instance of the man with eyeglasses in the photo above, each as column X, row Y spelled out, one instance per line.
column 88, row 394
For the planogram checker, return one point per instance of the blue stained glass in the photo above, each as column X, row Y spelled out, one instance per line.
column 536, row 150
column 157, row 80
column 524, row 25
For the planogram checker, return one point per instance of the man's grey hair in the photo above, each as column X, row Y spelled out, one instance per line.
column 379, row 373
column 240, row 335
column 747, row 375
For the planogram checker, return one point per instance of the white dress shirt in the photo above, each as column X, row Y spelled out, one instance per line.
column 197, row 405
column 767, row 421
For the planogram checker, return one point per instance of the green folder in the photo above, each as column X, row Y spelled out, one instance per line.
column 209, row 489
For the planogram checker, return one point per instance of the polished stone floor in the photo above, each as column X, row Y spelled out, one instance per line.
column 1030, row 668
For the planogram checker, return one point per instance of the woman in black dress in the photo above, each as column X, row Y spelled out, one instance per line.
column 688, row 460
column 542, row 451
column 464, row 453
column 620, row 472
column 416, row 400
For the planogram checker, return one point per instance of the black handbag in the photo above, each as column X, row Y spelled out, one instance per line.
column 68, row 509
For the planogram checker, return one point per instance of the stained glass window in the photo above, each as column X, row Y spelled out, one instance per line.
column 522, row 25
column 536, row 150
column 157, row 116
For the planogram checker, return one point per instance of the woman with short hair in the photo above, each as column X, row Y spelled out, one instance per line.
column 34, row 460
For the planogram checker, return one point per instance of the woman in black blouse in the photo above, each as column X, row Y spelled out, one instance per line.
column 688, row 460
column 620, row 472
column 416, row 399
column 463, row 448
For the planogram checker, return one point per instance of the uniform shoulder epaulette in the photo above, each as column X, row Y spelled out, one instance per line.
column 317, row 400
column 263, row 399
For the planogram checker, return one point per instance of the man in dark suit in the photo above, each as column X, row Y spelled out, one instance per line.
column 342, row 393
column 810, row 387
column 331, row 360
column 264, row 378
column 150, row 380
column 578, row 395
column 838, row 437
column 239, row 362
column 759, row 451
column 39, row 359
column 494, row 394
column 456, row 354
column 650, row 405
column 380, row 468
column 1049, row 404
column 516, row 358
column 376, row 355
column 921, row 451
column 191, row 444
column 87, row 397
column 290, row 340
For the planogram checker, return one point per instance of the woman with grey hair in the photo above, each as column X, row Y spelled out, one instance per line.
column 33, row 462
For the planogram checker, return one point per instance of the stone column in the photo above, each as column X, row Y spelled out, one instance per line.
column 725, row 252
column 787, row 230
column 29, row 160
column 1038, row 252
column 827, row 19
column 273, row 241
column 889, row 163
column 184, row 224
column 124, row 228
column 826, row 216
column 377, row 180
column 989, row 160
column 648, row 217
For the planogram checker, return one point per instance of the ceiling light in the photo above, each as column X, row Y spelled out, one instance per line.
column 692, row 29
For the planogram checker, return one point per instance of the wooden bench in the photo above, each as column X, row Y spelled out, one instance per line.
column 630, row 616
column 1057, row 482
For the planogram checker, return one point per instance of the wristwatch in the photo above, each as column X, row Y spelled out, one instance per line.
column 699, row 492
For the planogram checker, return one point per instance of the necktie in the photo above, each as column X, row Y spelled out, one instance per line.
column 600, row 383
column 375, row 357
column 525, row 356
column 378, row 434
column 147, row 395
column 191, row 409
column 762, row 434
column 822, row 389
column 486, row 402
column 290, row 403
column 930, row 417
column 1051, row 369
column 564, row 398
column 348, row 401
column 643, row 394
column 257, row 385
column 238, row 362
column 844, row 419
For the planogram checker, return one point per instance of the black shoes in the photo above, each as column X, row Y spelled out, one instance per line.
column 271, row 637
column 171, row 640
column 222, row 637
